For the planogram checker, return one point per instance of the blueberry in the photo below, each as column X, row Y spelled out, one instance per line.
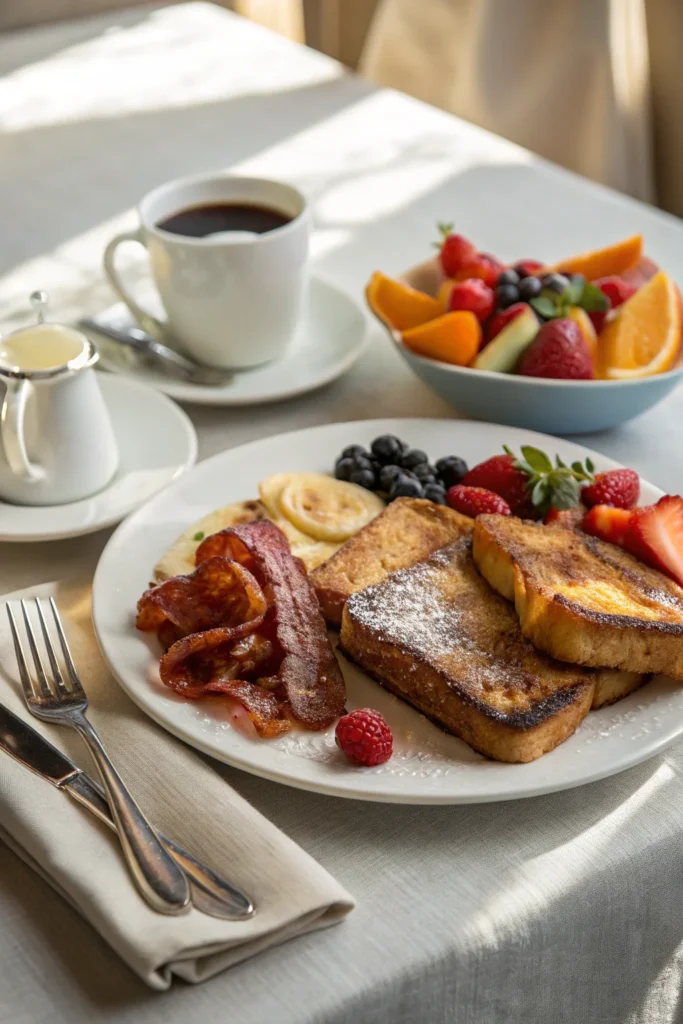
column 352, row 450
column 343, row 469
column 436, row 493
column 529, row 288
column 363, row 462
column 386, row 448
column 364, row 478
column 405, row 487
column 387, row 475
column 508, row 277
column 425, row 473
column 413, row 457
column 451, row 470
column 556, row 282
column 506, row 295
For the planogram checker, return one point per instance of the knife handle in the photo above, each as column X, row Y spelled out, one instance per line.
column 210, row 893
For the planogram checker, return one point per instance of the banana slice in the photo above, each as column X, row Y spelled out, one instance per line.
column 270, row 490
column 325, row 508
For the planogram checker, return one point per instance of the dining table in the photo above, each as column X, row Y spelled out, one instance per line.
column 567, row 907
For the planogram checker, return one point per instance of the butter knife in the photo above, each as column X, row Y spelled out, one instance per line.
column 210, row 893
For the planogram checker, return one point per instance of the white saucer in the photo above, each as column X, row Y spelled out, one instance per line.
column 327, row 344
column 156, row 444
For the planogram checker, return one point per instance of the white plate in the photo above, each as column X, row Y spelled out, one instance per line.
column 156, row 443
column 428, row 766
column 327, row 344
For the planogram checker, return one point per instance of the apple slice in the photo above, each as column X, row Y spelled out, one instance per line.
column 502, row 354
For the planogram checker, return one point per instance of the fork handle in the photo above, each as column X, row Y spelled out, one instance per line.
column 159, row 879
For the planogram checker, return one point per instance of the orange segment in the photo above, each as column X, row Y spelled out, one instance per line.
column 444, row 293
column 581, row 317
column 399, row 305
column 451, row 338
column 613, row 259
column 644, row 337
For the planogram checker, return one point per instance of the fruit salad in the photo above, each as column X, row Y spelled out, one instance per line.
column 610, row 313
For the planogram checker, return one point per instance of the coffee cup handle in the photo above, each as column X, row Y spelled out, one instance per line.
column 12, row 427
column 149, row 323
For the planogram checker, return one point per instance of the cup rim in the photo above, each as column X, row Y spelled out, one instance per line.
column 197, row 179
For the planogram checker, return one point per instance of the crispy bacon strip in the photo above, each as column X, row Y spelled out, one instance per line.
column 208, row 622
column 212, row 664
column 220, row 592
column 309, row 672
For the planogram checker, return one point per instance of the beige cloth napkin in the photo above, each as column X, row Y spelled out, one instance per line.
column 184, row 797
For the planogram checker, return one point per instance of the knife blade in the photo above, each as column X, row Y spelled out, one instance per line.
column 211, row 893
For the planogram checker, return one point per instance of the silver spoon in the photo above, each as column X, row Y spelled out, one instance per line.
column 146, row 351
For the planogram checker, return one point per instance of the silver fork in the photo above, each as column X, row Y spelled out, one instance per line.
column 159, row 879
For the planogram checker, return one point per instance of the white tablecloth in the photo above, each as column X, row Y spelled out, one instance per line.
column 565, row 908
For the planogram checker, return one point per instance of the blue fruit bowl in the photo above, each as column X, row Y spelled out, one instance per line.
column 549, row 406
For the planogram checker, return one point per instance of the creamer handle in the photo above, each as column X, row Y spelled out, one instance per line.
column 12, row 428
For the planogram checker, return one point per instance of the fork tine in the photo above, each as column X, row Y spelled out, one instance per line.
column 42, row 683
column 24, row 673
column 68, row 660
column 57, row 677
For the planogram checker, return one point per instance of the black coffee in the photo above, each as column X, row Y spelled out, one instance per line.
column 210, row 218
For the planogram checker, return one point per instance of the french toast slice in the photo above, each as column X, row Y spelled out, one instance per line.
column 438, row 636
column 406, row 531
column 581, row 599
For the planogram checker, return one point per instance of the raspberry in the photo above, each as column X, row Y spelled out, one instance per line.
column 476, row 501
column 502, row 319
column 559, row 351
column 617, row 291
column 618, row 487
column 485, row 267
column 455, row 251
column 498, row 474
column 474, row 296
column 364, row 737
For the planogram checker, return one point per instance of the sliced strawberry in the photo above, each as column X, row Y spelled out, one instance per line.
column 655, row 535
column 569, row 518
column 608, row 523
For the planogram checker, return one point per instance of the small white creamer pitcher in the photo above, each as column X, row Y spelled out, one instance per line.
column 58, row 443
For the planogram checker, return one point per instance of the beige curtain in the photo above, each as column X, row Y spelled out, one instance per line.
column 568, row 79
column 595, row 85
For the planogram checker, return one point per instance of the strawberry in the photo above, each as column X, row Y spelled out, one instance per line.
column 528, row 268
column 473, row 295
column 531, row 485
column 569, row 518
column 502, row 319
column 617, row 291
column 608, row 523
column 617, row 487
column 486, row 268
column 655, row 536
column 559, row 351
column 476, row 501
column 500, row 475
column 455, row 251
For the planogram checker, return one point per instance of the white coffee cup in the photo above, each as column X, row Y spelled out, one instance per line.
column 232, row 299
